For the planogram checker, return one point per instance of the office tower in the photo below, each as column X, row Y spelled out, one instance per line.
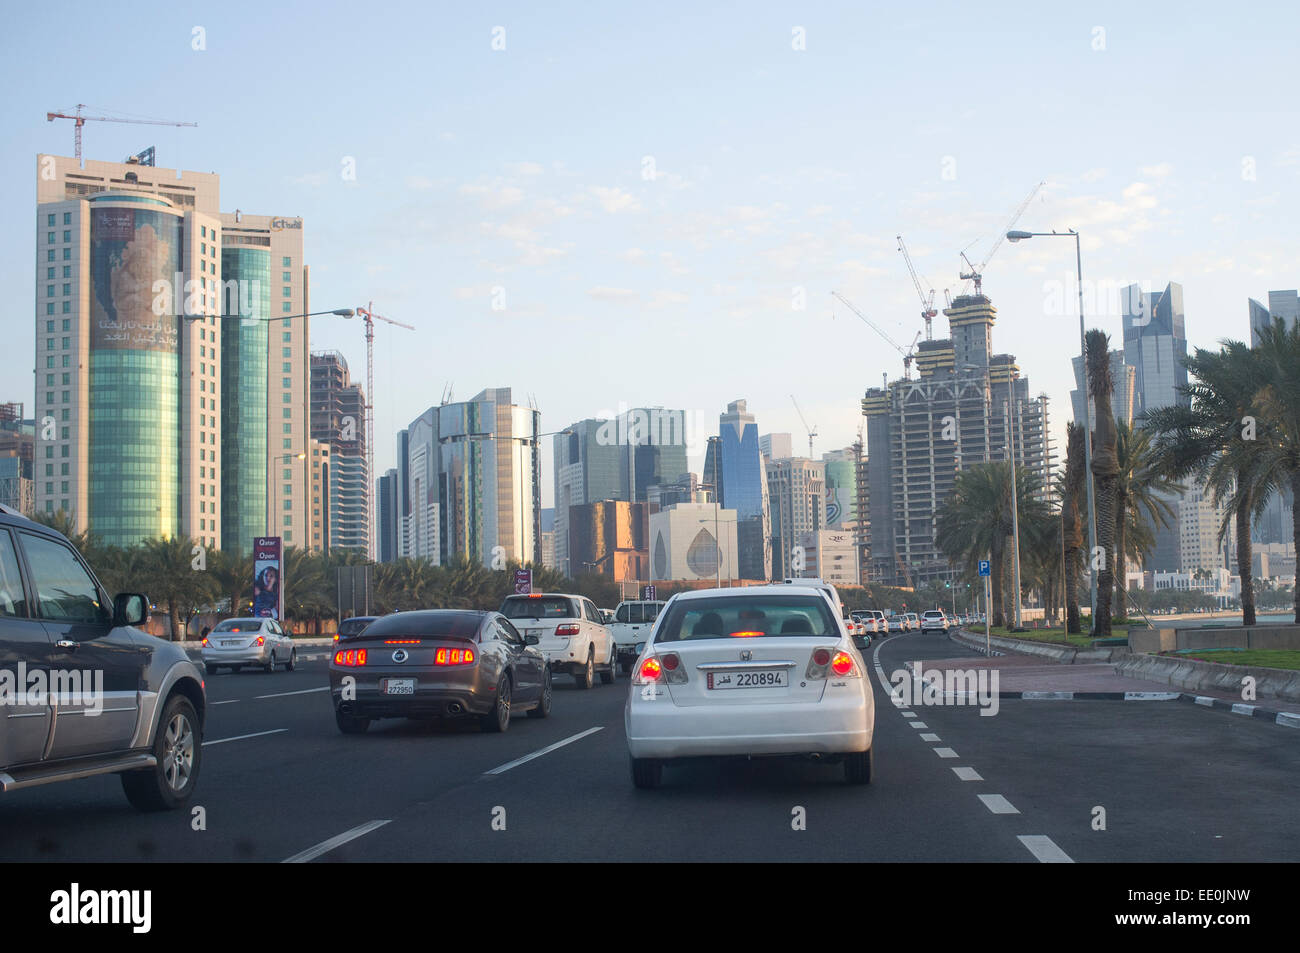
column 386, row 516
column 797, row 492
column 1197, row 519
column 1274, row 525
column 131, row 326
column 319, row 467
column 693, row 541
column 338, row 414
column 743, row 487
column 608, row 538
column 474, row 482
column 548, row 537
column 922, row 432
column 245, row 512
column 1124, row 379
column 776, row 446
column 17, row 459
column 831, row 555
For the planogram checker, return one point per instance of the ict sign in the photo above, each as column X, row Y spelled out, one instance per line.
column 268, row 593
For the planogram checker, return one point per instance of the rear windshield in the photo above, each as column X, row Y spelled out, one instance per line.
column 354, row 626
column 239, row 625
column 439, row 623
column 749, row 617
column 542, row 607
column 637, row 612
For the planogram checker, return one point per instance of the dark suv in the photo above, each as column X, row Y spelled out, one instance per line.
column 82, row 691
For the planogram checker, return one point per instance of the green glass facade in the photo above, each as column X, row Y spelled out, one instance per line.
column 134, row 434
column 245, row 332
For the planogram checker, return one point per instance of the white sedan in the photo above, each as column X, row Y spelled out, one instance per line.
column 753, row 671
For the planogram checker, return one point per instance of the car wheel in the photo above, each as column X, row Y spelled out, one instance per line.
column 293, row 661
column 586, row 677
column 270, row 663
column 647, row 772
column 211, row 669
column 610, row 671
column 498, row 719
column 859, row 766
column 177, row 747
column 543, row 709
column 350, row 724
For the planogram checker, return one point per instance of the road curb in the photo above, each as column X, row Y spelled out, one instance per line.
column 1284, row 718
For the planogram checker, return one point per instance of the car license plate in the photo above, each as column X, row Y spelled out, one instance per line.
column 769, row 678
column 229, row 642
column 399, row 686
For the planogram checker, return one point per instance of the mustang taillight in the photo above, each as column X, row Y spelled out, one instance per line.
column 453, row 657
column 569, row 629
column 350, row 657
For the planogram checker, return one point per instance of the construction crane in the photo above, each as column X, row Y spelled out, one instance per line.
column 369, row 317
column 907, row 354
column 927, row 298
column 79, row 120
column 976, row 274
column 812, row 431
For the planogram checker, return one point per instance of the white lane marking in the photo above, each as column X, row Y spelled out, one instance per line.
column 1048, row 696
column 918, row 724
column 998, row 804
column 967, row 774
column 311, row 853
column 305, row 691
column 929, row 736
column 549, row 748
column 256, row 734
column 229, row 701
column 909, row 714
column 1240, row 709
column 1150, row 696
column 945, row 752
column 1043, row 848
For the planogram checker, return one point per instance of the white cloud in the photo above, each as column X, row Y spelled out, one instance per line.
column 615, row 200
column 1161, row 171
column 494, row 196
column 606, row 293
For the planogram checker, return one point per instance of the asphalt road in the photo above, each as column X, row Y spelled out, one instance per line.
column 1176, row 782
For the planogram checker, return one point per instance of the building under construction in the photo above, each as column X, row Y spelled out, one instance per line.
column 921, row 432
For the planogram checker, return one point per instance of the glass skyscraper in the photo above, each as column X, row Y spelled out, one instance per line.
column 743, row 485
column 244, row 342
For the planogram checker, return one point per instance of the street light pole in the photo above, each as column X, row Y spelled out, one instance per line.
column 1017, row 236
column 1015, row 509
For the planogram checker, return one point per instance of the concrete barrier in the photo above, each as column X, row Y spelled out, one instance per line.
column 1266, row 636
column 1200, row 676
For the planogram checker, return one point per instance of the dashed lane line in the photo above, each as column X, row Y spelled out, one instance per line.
column 311, row 853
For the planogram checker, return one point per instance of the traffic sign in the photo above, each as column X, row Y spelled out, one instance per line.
column 984, row 568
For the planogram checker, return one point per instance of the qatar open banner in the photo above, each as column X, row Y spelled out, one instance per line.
column 268, row 593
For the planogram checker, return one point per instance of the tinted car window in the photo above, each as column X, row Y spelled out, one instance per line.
column 239, row 625
column 748, row 617
column 12, row 600
column 542, row 607
column 64, row 590
column 437, row 623
column 354, row 625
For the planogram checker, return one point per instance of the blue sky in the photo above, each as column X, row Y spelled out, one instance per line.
column 1167, row 133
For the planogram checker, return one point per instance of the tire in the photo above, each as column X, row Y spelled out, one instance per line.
column 178, row 746
column 859, row 766
column 543, row 709
column 498, row 719
column 586, row 678
column 210, row 668
column 350, row 724
column 610, row 671
column 647, row 772
column 292, row 664
column 270, row 665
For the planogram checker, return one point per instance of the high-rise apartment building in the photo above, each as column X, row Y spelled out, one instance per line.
column 1274, row 525
column 1123, row 379
column 338, row 414
column 776, row 446
column 966, row 406
column 797, row 496
column 386, row 517
column 742, row 486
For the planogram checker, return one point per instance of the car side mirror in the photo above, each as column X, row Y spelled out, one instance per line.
column 130, row 608
column 531, row 640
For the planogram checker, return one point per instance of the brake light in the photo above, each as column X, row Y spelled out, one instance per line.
column 650, row 671
column 568, row 629
column 671, row 661
column 453, row 657
column 350, row 658
column 401, row 641
column 261, row 640
column 821, row 657
column 745, row 635
column 205, row 642
column 842, row 663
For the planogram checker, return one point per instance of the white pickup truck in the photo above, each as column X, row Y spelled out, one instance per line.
column 631, row 626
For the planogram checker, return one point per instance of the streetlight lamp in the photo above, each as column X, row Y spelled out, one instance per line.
column 1017, row 236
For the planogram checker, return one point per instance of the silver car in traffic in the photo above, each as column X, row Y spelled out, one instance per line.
column 235, row 643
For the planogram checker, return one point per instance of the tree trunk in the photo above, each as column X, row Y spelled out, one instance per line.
column 174, row 616
column 1244, row 567
column 996, row 611
column 1072, row 591
column 1295, row 533
column 1104, row 501
column 1121, row 561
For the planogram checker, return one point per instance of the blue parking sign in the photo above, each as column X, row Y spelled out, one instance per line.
column 984, row 567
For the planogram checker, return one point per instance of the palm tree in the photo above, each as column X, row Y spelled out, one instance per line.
column 1139, row 483
column 975, row 520
column 178, row 579
column 61, row 521
column 232, row 575
column 1105, row 469
column 1209, row 440
column 1072, row 488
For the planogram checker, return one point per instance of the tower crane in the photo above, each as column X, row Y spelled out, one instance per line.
column 369, row 317
column 812, row 431
column 79, row 120
column 927, row 298
column 907, row 354
column 976, row 274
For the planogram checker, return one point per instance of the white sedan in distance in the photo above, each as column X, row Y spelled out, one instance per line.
column 753, row 671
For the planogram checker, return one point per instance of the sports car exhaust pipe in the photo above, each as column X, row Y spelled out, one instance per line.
column 455, row 708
